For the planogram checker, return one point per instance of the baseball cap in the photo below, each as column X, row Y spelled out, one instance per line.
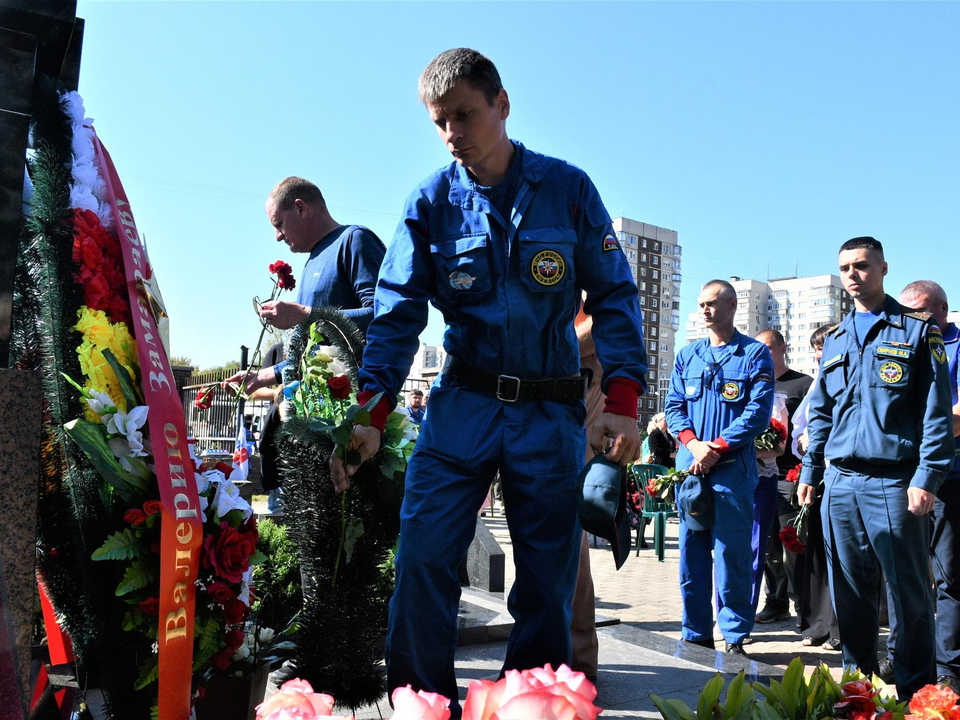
column 695, row 500
column 602, row 504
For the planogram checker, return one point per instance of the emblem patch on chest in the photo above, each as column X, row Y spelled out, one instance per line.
column 459, row 280
column 547, row 267
column 730, row 390
column 610, row 243
column 891, row 372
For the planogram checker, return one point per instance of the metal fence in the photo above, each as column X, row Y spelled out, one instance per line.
column 215, row 429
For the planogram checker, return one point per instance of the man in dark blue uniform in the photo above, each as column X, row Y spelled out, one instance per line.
column 502, row 242
column 341, row 271
column 720, row 399
column 928, row 296
column 880, row 417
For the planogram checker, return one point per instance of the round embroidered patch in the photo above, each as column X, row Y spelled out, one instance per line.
column 459, row 280
column 891, row 372
column 547, row 267
column 730, row 390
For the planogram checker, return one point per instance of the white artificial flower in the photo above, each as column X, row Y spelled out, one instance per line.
column 266, row 635
column 82, row 198
column 245, row 583
column 82, row 143
column 127, row 423
column 411, row 430
column 330, row 356
column 106, row 215
column 227, row 498
column 72, row 105
column 241, row 653
column 100, row 402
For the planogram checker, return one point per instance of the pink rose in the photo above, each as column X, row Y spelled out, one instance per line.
column 410, row 705
column 296, row 700
column 541, row 693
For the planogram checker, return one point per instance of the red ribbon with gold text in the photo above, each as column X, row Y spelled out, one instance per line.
column 181, row 529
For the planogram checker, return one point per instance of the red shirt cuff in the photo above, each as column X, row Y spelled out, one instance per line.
column 380, row 411
column 723, row 445
column 686, row 436
column 622, row 396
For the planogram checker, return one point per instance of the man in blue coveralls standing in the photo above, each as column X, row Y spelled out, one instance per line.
column 720, row 399
column 502, row 242
column 880, row 416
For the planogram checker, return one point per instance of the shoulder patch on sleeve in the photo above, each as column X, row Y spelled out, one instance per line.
column 764, row 377
column 937, row 348
column 610, row 242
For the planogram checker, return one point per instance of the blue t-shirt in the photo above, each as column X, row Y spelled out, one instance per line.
column 502, row 194
column 862, row 322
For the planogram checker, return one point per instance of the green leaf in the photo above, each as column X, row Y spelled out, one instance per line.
column 258, row 558
column 322, row 425
column 208, row 643
column 709, row 697
column 92, row 441
column 354, row 533
column 148, row 673
column 353, row 457
column 740, row 699
column 362, row 417
column 121, row 545
column 794, row 687
column 672, row 709
column 339, row 451
column 343, row 433
column 123, row 379
column 372, row 402
column 135, row 577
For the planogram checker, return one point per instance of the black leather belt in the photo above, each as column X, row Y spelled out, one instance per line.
column 508, row 388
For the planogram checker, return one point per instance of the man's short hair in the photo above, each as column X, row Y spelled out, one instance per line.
column 923, row 287
column 775, row 335
column 451, row 66
column 818, row 336
column 295, row 188
column 727, row 291
column 419, row 393
column 862, row 243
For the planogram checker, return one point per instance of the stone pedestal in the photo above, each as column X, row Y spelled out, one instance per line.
column 20, row 404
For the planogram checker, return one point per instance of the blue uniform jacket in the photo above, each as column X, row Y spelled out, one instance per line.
column 883, row 404
column 508, row 288
column 729, row 398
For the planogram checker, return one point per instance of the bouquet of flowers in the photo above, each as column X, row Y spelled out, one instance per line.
column 793, row 475
column 773, row 437
column 794, row 532
column 662, row 486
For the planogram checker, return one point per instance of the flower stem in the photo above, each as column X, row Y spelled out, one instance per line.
column 343, row 534
column 241, row 393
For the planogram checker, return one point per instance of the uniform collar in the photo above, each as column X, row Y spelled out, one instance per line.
column 705, row 352
column 892, row 314
column 463, row 190
column 951, row 335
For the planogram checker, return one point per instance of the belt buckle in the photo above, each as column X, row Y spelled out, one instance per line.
column 516, row 393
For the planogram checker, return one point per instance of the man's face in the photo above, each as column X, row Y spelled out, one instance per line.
column 291, row 226
column 778, row 351
column 861, row 272
column 416, row 401
column 924, row 302
column 716, row 312
column 469, row 126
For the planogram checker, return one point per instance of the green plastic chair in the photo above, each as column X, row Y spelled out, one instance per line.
column 657, row 510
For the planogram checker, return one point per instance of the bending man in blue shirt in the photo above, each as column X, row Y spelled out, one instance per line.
column 502, row 242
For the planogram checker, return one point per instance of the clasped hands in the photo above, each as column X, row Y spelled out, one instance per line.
column 705, row 455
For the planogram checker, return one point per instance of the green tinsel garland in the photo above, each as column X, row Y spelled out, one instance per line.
column 340, row 641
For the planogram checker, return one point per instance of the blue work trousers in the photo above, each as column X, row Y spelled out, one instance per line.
column 728, row 539
column 946, row 571
column 538, row 447
column 764, row 510
column 867, row 528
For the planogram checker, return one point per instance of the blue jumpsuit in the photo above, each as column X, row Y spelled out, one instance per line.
column 729, row 395
column 880, row 416
column 509, row 289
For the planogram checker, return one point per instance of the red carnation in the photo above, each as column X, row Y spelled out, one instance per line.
column 339, row 387
column 228, row 552
column 860, row 687
column 779, row 428
column 234, row 611
column 221, row 659
column 234, row 639
column 219, row 591
column 793, row 475
column 134, row 516
column 150, row 606
column 790, row 540
column 855, row 707
column 152, row 507
column 284, row 274
column 205, row 397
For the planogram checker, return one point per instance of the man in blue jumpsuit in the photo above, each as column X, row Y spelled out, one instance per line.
column 928, row 296
column 502, row 241
column 720, row 399
column 341, row 271
column 880, row 416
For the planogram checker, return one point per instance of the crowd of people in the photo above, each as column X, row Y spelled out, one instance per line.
column 543, row 338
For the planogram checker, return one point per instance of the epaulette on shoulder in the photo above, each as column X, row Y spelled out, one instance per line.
column 832, row 330
column 918, row 315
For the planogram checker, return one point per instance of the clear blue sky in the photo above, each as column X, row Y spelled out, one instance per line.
column 764, row 133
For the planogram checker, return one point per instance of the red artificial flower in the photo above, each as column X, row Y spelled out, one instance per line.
column 860, row 687
column 934, row 701
column 790, row 540
column 284, row 274
column 794, row 473
column 134, row 516
column 150, row 606
column 779, row 428
column 220, row 592
column 651, row 488
column 234, row 638
column 205, row 397
column 221, row 659
column 234, row 611
column 99, row 259
column 339, row 387
column 228, row 552
column 152, row 507
column 856, row 707
column 224, row 468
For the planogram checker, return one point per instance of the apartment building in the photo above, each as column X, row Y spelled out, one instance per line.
column 655, row 261
column 794, row 306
